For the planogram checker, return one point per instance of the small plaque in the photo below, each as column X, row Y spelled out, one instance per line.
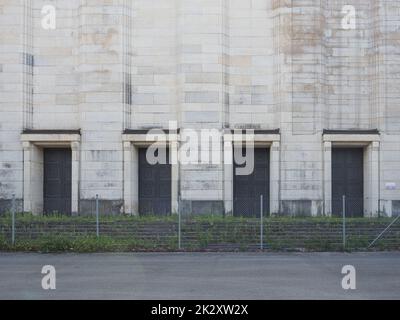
column 390, row 186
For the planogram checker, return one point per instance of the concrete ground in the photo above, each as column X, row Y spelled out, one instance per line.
column 200, row 276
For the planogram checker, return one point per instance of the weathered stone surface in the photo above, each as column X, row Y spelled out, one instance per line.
column 114, row 65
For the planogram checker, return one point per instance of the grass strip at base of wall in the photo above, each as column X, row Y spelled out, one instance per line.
column 5, row 219
column 92, row 244
column 87, row 244
column 199, row 233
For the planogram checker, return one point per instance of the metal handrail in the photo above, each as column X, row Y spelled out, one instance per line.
column 380, row 235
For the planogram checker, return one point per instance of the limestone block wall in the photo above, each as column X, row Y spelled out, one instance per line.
column 251, row 59
column 13, row 37
column 101, row 81
column 56, row 80
column 349, row 67
column 202, row 94
column 153, row 58
column 386, row 99
column 113, row 65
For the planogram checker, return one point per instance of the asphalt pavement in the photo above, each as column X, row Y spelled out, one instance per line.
column 200, row 276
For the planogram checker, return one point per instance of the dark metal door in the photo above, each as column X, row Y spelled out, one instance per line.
column 57, row 181
column 247, row 189
column 348, row 180
column 154, row 186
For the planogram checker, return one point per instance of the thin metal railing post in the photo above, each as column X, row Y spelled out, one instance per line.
column 344, row 222
column 13, row 220
column 261, row 223
column 386, row 229
column 97, row 216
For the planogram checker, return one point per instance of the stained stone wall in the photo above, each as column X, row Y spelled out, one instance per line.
column 112, row 65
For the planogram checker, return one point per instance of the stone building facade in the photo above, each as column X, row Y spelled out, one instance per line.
column 110, row 70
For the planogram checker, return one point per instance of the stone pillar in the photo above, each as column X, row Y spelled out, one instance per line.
column 327, row 167
column 75, row 169
column 27, row 207
column 174, row 147
column 372, row 198
column 203, row 98
column 228, row 174
column 275, row 178
column 33, row 178
column 134, row 176
column 101, row 106
column 128, row 155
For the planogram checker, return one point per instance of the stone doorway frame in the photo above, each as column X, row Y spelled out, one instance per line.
column 33, row 143
column 369, row 140
column 133, row 140
column 262, row 138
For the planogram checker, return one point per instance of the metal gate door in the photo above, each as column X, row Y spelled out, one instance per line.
column 348, row 180
column 154, row 186
column 247, row 189
column 57, row 181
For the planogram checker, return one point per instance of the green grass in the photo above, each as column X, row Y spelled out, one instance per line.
column 204, row 230
column 86, row 244
column 5, row 219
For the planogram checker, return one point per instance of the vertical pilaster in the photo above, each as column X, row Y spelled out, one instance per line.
column 202, row 28
column 375, row 193
column 75, row 177
column 11, row 101
column 228, row 174
column 101, row 106
column 174, row 147
column 327, row 169
column 27, row 58
column 128, row 156
column 275, row 177
column 27, row 149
